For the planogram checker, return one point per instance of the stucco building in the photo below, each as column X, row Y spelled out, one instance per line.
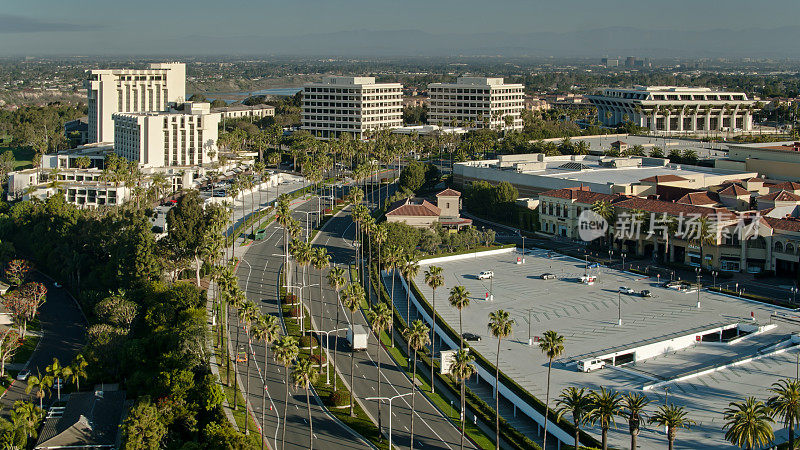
column 477, row 103
column 421, row 213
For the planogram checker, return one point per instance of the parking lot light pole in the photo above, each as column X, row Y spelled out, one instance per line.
column 714, row 274
column 491, row 288
column 623, row 261
column 619, row 308
column 794, row 294
column 698, row 270
column 530, row 339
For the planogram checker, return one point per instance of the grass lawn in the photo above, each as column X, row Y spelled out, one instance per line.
column 26, row 349
column 22, row 155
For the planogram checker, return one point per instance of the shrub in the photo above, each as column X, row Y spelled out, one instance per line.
column 308, row 341
column 295, row 312
column 339, row 398
column 289, row 299
column 315, row 358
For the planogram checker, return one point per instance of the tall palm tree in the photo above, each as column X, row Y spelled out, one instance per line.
column 748, row 423
column 434, row 280
column 320, row 259
column 302, row 257
column 78, row 370
column 552, row 345
column 605, row 405
column 379, row 236
column 633, row 409
column 462, row 369
column 409, row 269
column 417, row 337
column 336, row 280
column 249, row 314
column 500, row 325
column 785, row 403
column 26, row 418
column 392, row 261
column 303, row 375
column 380, row 317
column 285, row 351
column 576, row 402
column 41, row 384
column 236, row 300
column 674, row 418
column 266, row 329
column 353, row 296
column 459, row 299
column 57, row 372
column 605, row 210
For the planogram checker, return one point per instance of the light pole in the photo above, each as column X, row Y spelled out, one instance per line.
column 714, row 274
column 586, row 264
column 306, row 213
column 491, row 288
column 610, row 254
column 389, row 399
column 623, row 260
column 530, row 339
column 327, row 351
column 302, row 311
column 697, row 271
column 523, row 247
column 619, row 308
column 794, row 294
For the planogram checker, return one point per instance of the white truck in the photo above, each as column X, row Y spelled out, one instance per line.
column 357, row 337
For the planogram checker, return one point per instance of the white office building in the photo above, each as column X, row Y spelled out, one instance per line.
column 168, row 139
column 355, row 105
column 674, row 110
column 476, row 103
column 112, row 91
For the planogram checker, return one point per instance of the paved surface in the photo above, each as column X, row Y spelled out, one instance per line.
column 587, row 317
column 64, row 332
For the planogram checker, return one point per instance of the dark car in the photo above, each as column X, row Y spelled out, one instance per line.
column 471, row 337
column 645, row 293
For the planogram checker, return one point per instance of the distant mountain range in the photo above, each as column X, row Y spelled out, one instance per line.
column 612, row 41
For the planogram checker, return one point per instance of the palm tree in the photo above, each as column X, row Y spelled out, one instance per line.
column 379, row 235
column 302, row 257
column 552, row 345
column 381, row 318
column 417, row 337
column 409, row 269
column 353, row 296
column 285, row 351
column 576, row 402
column 392, row 261
column 267, row 329
column 605, row 405
column 674, row 418
column 303, row 375
column 749, row 423
column 462, row 369
column 77, row 370
column 786, row 403
column 250, row 314
column 57, row 372
column 434, row 279
column 605, row 210
column 336, row 280
column 633, row 409
column 42, row 385
column 26, row 418
column 500, row 325
column 320, row 259
column 236, row 300
column 459, row 299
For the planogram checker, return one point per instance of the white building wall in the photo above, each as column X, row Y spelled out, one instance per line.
column 476, row 103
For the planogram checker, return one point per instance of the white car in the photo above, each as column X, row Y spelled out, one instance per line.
column 485, row 275
column 626, row 290
column 590, row 365
column 23, row 375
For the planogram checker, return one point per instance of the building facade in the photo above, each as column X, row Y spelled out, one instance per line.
column 775, row 160
column 168, row 139
column 477, row 103
column 111, row 91
column 355, row 105
column 251, row 112
column 671, row 109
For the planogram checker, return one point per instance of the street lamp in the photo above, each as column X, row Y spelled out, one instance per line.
column 794, row 294
column 623, row 260
column 714, row 274
column 327, row 351
column 619, row 308
column 389, row 399
column 295, row 286
column 697, row 271
column 306, row 213
column 610, row 255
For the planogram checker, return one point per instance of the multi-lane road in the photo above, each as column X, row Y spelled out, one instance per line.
column 258, row 276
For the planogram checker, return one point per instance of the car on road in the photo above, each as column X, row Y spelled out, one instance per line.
column 646, row 293
column 485, row 275
column 56, row 284
column 471, row 337
column 594, row 266
column 23, row 375
column 548, row 276
column 626, row 290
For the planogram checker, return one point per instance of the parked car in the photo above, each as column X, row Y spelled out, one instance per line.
column 646, row 293
column 626, row 290
column 485, row 275
column 590, row 365
column 471, row 337
column 548, row 276
column 594, row 266
column 23, row 375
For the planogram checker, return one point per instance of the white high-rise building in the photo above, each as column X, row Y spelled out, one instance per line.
column 351, row 105
column 476, row 103
column 170, row 138
column 110, row 91
column 672, row 109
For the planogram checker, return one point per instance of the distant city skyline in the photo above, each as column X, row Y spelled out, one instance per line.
column 53, row 27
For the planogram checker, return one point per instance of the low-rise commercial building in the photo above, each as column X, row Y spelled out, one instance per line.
column 355, row 105
column 476, row 103
column 247, row 111
column 421, row 213
column 775, row 160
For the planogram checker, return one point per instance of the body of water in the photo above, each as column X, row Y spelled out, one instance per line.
column 274, row 91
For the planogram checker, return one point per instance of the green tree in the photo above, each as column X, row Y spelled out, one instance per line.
column 552, row 345
column 674, row 418
column 656, row 152
column 417, row 336
column 605, row 406
column 303, row 375
column 412, row 177
column 143, row 428
column 336, row 280
column 500, row 325
column 633, row 409
column 352, row 299
column 41, row 384
column 459, row 299
column 380, row 317
column 576, row 402
column 748, row 423
column 56, row 370
column 434, row 280
column 462, row 369
column 785, row 403
column 285, row 351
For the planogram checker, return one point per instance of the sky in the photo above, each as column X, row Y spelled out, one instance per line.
column 91, row 27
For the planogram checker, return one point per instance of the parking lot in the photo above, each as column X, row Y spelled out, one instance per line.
column 588, row 315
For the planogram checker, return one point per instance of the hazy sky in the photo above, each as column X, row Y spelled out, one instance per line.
column 86, row 27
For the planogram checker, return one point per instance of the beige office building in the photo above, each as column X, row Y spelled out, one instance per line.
column 168, row 139
column 477, row 103
column 110, row 91
column 355, row 105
